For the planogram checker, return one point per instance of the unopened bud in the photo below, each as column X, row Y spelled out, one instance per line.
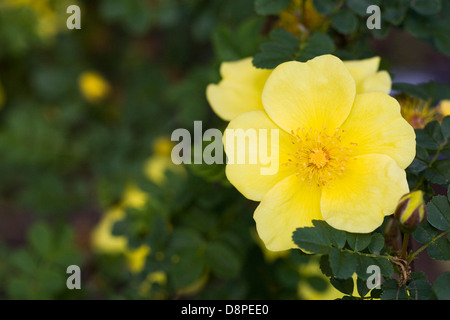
column 410, row 211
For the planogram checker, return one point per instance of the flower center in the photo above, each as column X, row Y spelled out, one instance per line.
column 319, row 157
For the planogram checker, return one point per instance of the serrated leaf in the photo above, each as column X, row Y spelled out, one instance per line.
column 376, row 243
column 360, row 6
column 188, row 268
column 391, row 291
column 324, row 6
column 362, row 287
column 343, row 264
column 438, row 212
column 441, row 286
column 358, row 241
column 424, row 232
column 345, row 286
column 411, row 89
column 420, row 289
column 338, row 237
column 282, row 47
column 312, row 240
column 344, row 21
column 224, row 262
column 266, row 7
column 440, row 249
column 316, row 45
column 426, row 7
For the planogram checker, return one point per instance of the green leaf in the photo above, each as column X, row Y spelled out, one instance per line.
column 22, row 260
column 376, row 243
column 419, row 288
column 342, row 263
column 187, row 268
column 224, row 262
column 337, row 237
column 345, row 286
column 266, row 7
column 361, row 285
column 316, row 45
column 313, row 240
column 441, row 286
column 324, row 6
column 411, row 89
column 358, row 241
column 360, row 6
column 438, row 212
column 385, row 265
column 424, row 232
column 439, row 172
column 426, row 7
column 40, row 238
column 440, row 249
column 344, row 21
column 391, row 291
column 282, row 47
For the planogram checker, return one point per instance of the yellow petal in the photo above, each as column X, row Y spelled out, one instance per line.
column 376, row 125
column 251, row 176
column 239, row 90
column 102, row 238
column 380, row 81
column 367, row 191
column 367, row 79
column 315, row 94
column 289, row 205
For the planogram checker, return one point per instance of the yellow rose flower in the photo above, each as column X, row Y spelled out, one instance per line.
column 242, row 84
column 93, row 86
column 342, row 155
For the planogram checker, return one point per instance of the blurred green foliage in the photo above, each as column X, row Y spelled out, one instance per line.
column 66, row 160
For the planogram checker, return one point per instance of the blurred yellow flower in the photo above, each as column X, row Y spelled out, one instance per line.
column 444, row 108
column 104, row 241
column 93, row 86
column 242, row 84
column 301, row 17
column 48, row 13
column 342, row 154
column 133, row 197
column 416, row 111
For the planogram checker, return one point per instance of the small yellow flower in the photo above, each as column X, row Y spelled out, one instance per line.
column 93, row 86
column 133, row 197
column 342, row 154
column 444, row 108
column 301, row 17
column 416, row 111
column 410, row 211
column 242, row 84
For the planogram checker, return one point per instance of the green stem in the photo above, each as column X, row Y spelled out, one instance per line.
column 414, row 255
column 405, row 245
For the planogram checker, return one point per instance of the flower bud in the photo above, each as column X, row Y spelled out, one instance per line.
column 410, row 211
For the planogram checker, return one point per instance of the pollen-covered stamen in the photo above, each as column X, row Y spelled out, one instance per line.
column 320, row 157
